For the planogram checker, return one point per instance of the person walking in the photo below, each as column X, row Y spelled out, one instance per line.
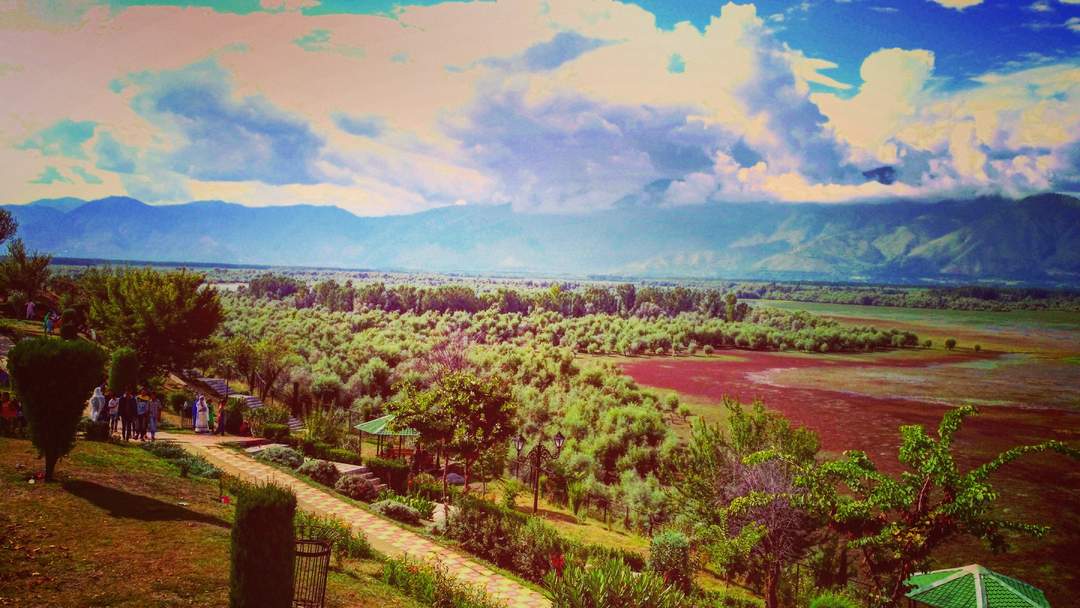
column 114, row 412
column 142, row 406
column 30, row 310
column 47, row 322
column 211, row 417
column 99, row 406
column 127, row 414
column 153, row 413
column 220, row 429
column 201, row 419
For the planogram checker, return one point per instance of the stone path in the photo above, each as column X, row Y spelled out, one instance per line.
column 385, row 536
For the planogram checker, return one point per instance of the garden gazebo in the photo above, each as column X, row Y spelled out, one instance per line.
column 973, row 587
column 381, row 427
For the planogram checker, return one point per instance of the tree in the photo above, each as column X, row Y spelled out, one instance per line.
column 897, row 524
column 486, row 416
column 53, row 379
column 273, row 356
column 24, row 273
column 950, row 343
column 124, row 370
column 8, row 225
column 425, row 412
column 167, row 317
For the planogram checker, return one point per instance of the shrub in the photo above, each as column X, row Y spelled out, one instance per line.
column 669, row 557
column 611, row 583
column 356, row 487
column 978, row 347
column 53, row 408
column 281, row 455
column 267, row 414
column 70, row 323
column 393, row 473
column 123, row 370
column 94, row 431
column 189, row 464
column 397, row 510
column 512, row 488
column 262, row 548
column 425, row 507
column 236, row 410
column 433, row 587
column 340, row 535
column 534, row 545
column 950, row 343
column 321, row 471
column 179, row 403
column 728, row 599
column 272, row 431
column 343, row 455
column 596, row 553
column 831, row 599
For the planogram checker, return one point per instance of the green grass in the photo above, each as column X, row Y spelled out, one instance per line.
column 121, row 528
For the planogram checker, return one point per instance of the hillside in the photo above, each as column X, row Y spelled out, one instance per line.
column 1034, row 239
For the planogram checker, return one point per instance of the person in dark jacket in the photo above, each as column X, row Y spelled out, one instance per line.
column 128, row 408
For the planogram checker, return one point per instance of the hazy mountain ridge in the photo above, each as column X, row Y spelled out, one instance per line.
column 1037, row 238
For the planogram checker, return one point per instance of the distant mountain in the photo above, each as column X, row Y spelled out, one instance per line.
column 1036, row 239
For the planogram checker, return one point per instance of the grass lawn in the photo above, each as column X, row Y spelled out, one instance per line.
column 120, row 527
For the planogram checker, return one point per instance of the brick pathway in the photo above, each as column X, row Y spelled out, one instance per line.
column 385, row 536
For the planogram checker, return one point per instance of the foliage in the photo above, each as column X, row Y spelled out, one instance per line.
column 8, row 225
column 124, row 371
column 897, row 524
column 950, row 343
column 345, row 542
column 273, row 431
column 262, row 548
column 611, row 583
column 357, row 487
column 394, row 473
column 53, row 379
column 259, row 417
column 511, row 489
column 189, row 464
column 71, row 323
column 178, row 402
column 281, row 455
column 320, row 471
column 21, row 273
column 432, row 586
column 94, row 431
column 669, row 557
column 423, row 506
column 397, row 510
column 831, row 599
column 167, row 317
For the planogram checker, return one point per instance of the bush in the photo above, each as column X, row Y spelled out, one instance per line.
column 425, row 507
column 343, row 455
column 236, row 410
column 321, row 471
column 189, row 464
column 433, row 587
column 597, row 553
column 512, row 488
column 272, row 431
column 611, row 583
column 281, row 455
column 94, row 431
column 831, row 599
column 534, row 545
column 179, row 403
column 262, row 548
column 950, row 343
column 397, row 510
column 71, row 321
column 669, row 557
column 123, row 370
column 393, row 473
column 340, row 535
column 53, row 408
column 267, row 414
column 356, row 487
column 728, row 599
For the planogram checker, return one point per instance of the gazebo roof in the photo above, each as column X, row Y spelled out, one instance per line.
column 381, row 426
column 973, row 587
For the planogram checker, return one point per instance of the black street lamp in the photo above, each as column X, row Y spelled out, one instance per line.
column 538, row 454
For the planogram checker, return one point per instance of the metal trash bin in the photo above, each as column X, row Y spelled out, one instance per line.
column 309, row 573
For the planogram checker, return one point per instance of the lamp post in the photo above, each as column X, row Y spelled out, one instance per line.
column 538, row 454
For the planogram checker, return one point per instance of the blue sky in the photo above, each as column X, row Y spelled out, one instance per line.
column 550, row 105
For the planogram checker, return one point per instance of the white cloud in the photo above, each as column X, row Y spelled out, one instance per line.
column 958, row 4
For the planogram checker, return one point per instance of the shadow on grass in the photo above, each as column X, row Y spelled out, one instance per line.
column 135, row 506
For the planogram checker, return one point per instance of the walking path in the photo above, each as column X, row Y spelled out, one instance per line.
column 384, row 536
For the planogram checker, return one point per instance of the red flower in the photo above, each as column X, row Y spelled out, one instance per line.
column 558, row 562
column 225, row 500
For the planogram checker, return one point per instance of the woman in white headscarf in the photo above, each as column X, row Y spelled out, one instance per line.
column 202, row 419
column 98, row 405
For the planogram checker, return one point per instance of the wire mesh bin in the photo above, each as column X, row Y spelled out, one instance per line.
column 309, row 573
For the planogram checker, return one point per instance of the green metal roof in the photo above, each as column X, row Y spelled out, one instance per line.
column 381, row 426
column 973, row 587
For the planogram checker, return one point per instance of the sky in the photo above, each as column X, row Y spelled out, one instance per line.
column 384, row 107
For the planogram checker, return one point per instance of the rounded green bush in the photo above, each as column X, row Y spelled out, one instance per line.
column 356, row 487
column 321, row 471
column 669, row 556
column 399, row 511
column 281, row 455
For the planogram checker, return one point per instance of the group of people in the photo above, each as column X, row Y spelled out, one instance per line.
column 205, row 419
column 134, row 415
column 49, row 322
column 11, row 414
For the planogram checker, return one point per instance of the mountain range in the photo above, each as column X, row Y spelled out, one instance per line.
column 1035, row 239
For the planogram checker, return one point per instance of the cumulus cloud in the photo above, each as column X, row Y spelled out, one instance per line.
column 51, row 175
column 958, row 4
column 64, row 138
column 113, row 155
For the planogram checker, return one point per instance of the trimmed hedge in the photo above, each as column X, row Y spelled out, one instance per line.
column 393, row 473
column 263, row 548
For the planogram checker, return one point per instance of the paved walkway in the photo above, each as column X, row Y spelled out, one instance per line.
column 384, row 536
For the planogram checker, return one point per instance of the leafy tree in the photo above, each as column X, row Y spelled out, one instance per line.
column 426, row 412
column 897, row 524
column 53, row 379
column 167, row 317
column 8, row 225
column 950, row 343
column 486, row 416
column 24, row 273
column 273, row 357
column 124, row 370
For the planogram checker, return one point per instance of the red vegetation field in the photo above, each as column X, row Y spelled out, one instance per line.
column 848, row 414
